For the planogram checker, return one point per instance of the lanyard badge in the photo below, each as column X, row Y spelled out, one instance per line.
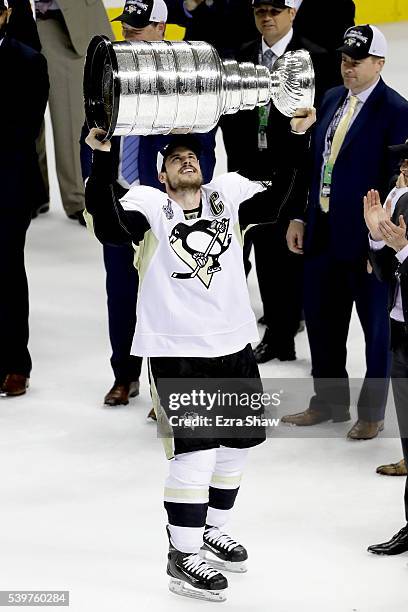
column 263, row 112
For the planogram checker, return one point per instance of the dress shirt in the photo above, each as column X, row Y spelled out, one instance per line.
column 279, row 48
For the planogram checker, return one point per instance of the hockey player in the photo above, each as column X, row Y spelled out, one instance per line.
column 194, row 321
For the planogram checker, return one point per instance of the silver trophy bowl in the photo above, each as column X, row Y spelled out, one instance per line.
column 145, row 88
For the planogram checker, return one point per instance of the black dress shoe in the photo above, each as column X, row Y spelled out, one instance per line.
column 78, row 216
column 266, row 351
column 397, row 545
column 44, row 208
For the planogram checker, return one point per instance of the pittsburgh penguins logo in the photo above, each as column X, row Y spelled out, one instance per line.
column 200, row 247
column 216, row 205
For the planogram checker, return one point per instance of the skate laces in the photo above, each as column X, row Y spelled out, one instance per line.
column 214, row 536
column 196, row 565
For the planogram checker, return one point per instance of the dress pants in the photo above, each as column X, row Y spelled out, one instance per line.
column 15, row 217
column 279, row 275
column 399, row 378
column 122, row 283
column 330, row 289
column 65, row 69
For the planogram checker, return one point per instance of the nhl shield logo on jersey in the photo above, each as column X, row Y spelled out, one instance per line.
column 216, row 205
column 168, row 210
column 200, row 246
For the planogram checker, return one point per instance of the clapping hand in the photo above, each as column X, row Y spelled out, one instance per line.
column 394, row 236
column 374, row 213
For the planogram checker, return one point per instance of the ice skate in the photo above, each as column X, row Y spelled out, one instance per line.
column 191, row 576
column 222, row 552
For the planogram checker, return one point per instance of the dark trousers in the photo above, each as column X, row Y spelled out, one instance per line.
column 15, row 358
column 122, row 283
column 399, row 378
column 331, row 288
column 279, row 275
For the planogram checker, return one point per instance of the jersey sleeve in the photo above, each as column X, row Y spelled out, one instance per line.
column 144, row 200
column 236, row 188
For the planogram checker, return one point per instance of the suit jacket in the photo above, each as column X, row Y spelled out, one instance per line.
column 243, row 152
column 386, row 266
column 84, row 19
column 22, row 107
column 364, row 163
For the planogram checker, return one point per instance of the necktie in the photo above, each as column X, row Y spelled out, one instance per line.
column 338, row 139
column 130, row 159
column 269, row 59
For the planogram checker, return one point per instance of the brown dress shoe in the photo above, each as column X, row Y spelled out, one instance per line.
column 393, row 469
column 13, row 385
column 311, row 416
column 365, row 430
column 120, row 393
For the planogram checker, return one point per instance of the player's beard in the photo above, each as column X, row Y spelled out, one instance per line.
column 186, row 181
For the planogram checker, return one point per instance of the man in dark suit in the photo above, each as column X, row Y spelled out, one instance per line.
column 22, row 106
column 389, row 256
column 350, row 154
column 134, row 161
column 266, row 135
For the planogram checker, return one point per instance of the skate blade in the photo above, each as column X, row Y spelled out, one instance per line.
column 238, row 567
column 179, row 587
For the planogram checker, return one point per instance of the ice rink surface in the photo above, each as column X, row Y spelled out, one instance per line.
column 81, row 485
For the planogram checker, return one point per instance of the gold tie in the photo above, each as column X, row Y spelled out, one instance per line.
column 338, row 140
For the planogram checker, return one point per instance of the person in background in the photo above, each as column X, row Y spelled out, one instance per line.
column 265, row 133
column 389, row 257
column 363, row 116
column 400, row 189
column 65, row 31
column 22, row 107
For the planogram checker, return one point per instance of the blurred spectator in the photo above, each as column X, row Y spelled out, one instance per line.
column 22, row 105
column 65, row 31
column 357, row 123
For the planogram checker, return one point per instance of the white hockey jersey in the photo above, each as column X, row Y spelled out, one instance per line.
column 193, row 299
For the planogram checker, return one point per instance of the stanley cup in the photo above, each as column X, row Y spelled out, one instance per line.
column 180, row 87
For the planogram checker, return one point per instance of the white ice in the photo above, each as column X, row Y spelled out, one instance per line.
column 81, row 485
